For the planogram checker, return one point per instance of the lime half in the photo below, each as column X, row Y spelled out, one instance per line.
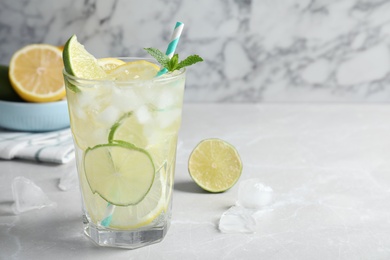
column 215, row 165
column 79, row 62
column 121, row 173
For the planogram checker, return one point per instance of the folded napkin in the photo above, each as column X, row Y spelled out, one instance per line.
column 52, row 147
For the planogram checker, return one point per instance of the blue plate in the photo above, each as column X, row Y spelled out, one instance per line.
column 34, row 117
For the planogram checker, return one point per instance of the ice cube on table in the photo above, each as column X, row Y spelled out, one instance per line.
column 253, row 194
column 237, row 219
column 28, row 196
column 69, row 180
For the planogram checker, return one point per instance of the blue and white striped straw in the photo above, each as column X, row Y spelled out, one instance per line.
column 172, row 44
column 108, row 215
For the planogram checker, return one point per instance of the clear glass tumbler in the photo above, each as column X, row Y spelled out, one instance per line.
column 125, row 134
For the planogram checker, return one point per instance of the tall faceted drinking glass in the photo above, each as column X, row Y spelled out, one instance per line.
column 125, row 134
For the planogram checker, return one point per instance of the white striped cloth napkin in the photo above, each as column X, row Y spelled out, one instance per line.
column 52, row 147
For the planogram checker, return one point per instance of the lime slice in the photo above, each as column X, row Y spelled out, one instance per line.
column 215, row 165
column 80, row 63
column 109, row 64
column 120, row 173
column 135, row 70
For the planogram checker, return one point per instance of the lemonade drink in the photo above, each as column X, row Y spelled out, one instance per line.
column 125, row 129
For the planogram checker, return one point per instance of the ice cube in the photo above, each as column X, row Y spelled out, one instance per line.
column 253, row 194
column 109, row 115
column 168, row 117
column 237, row 219
column 165, row 100
column 143, row 115
column 69, row 180
column 79, row 113
column 28, row 196
column 95, row 98
column 86, row 98
column 126, row 99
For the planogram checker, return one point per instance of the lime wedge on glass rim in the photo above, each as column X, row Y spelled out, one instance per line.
column 79, row 62
column 215, row 165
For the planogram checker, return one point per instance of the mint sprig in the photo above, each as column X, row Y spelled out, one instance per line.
column 173, row 64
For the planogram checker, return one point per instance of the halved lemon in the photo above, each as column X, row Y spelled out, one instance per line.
column 35, row 73
column 215, row 165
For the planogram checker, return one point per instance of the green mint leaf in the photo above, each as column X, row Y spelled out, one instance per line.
column 159, row 56
column 173, row 63
column 190, row 60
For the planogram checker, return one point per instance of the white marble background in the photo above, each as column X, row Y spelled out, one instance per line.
column 254, row 50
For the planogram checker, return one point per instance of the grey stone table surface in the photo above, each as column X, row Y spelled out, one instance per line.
column 328, row 164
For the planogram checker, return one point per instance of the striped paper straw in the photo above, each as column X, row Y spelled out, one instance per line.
column 170, row 52
column 108, row 215
column 172, row 44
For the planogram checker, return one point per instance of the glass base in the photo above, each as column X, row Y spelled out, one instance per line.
column 130, row 239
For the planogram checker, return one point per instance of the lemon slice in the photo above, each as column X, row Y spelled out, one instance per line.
column 79, row 62
column 35, row 73
column 146, row 211
column 215, row 165
column 161, row 145
column 109, row 64
column 120, row 173
column 128, row 129
column 134, row 70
